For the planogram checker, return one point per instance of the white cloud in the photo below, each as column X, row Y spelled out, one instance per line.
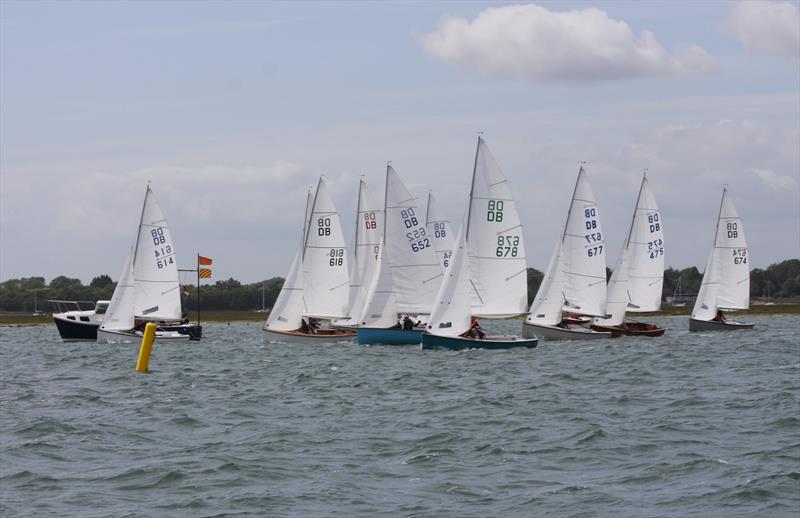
column 767, row 26
column 529, row 42
column 773, row 180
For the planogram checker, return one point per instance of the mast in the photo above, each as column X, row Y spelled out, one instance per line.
column 719, row 215
column 386, row 197
column 308, row 222
column 636, row 208
column 472, row 185
column 198, row 289
column 358, row 224
column 572, row 202
column 428, row 210
column 139, row 230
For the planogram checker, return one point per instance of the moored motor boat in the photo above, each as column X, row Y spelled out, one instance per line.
column 74, row 322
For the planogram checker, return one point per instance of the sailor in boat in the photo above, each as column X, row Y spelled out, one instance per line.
column 408, row 324
column 719, row 317
column 475, row 330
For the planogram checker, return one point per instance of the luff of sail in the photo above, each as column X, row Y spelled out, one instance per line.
column 450, row 315
column 155, row 268
column 583, row 253
column 287, row 312
column 645, row 247
column 326, row 278
column 439, row 229
column 726, row 281
column 495, row 244
column 119, row 314
column 369, row 229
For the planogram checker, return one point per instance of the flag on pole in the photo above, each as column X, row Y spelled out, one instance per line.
column 205, row 261
column 205, row 273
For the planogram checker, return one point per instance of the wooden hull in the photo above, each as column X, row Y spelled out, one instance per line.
column 369, row 336
column 713, row 325
column 458, row 343
column 298, row 337
column 544, row 332
column 631, row 329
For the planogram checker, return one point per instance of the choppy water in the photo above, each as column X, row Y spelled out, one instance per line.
column 683, row 425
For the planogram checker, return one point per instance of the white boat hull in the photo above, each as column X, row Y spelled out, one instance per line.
column 545, row 332
column 127, row 337
column 297, row 337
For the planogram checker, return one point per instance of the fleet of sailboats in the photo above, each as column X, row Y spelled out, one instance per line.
column 408, row 280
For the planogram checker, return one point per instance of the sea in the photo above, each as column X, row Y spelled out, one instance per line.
column 688, row 424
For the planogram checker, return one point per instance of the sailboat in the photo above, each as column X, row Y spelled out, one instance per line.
column 575, row 280
column 439, row 229
column 148, row 289
column 451, row 315
column 366, row 250
column 317, row 285
column 726, row 280
column 491, row 270
column 637, row 280
column 407, row 276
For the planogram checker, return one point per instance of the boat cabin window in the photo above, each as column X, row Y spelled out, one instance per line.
column 71, row 317
column 84, row 319
column 100, row 308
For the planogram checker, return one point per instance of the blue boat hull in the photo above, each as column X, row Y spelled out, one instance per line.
column 457, row 343
column 370, row 336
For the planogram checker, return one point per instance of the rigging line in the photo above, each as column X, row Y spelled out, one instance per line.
column 519, row 272
column 508, row 229
column 346, row 283
column 476, row 291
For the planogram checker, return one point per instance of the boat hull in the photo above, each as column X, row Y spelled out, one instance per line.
column 370, row 336
column 129, row 337
column 298, row 337
column 458, row 343
column 631, row 329
column 545, row 332
column 74, row 330
column 712, row 325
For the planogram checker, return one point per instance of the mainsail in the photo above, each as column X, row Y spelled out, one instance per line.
column 495, row 245
column 645, row 246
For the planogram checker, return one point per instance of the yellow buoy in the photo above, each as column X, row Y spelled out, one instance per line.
column 146, row 348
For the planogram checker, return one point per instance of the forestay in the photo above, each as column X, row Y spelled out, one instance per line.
column 439, row 229
column 583, row 253
column 645, row 247
column 495, row 244
column 155, row 268
column 286, row 313
column 369, row 229
column 726, row 280
column 326, row 279
column 409, row 249
column 450, row 315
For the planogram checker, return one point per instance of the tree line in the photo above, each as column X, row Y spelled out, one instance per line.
column 778, row 281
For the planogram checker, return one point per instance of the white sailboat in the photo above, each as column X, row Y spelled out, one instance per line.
column 637, row 280
column 450, row 319
column 726, row 280
column 366, row 250
column 439, row 229
column 496, row 248
column 148, row 287
column 408, row 275
column 317, row 286
column 575, row 280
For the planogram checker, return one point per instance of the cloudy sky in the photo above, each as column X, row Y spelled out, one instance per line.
column 231, row 109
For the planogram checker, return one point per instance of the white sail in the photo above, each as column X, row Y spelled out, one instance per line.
column 155, row 269
column 439, row 229
column 287, row 312
column 326, row 279
column 380, row 310
column 451, row 311
column 494, row 241
column 409, row 249
column 726, row 281
column 618, row 287
column 645, row 253
column 547, row 305
column 119, row 315
column 369, row 229
column 583, row 253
